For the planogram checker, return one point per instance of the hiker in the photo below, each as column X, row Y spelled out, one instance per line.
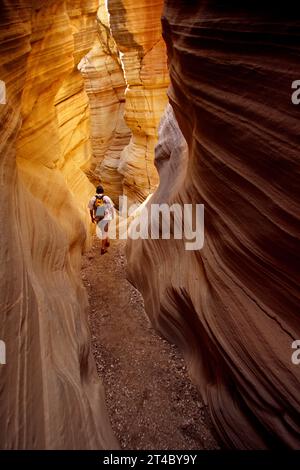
column 102, row 212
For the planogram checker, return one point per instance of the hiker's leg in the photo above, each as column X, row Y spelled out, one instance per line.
column 104, row 237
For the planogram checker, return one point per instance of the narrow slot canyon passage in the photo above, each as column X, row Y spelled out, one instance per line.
column 187, row 107
column 150, row 399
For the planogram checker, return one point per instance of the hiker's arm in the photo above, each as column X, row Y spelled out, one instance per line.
column 92, row 215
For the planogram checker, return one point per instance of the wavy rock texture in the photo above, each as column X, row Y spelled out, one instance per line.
column 105, row 85
column 233, row 306
column 50, row 396
column 72, row 104
column 136, row 29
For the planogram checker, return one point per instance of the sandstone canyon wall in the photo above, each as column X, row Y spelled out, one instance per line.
column 50, row 395
column 105, row 85
column 232, row 306
column 136, row 30
column 72, row 104
column 126, row 78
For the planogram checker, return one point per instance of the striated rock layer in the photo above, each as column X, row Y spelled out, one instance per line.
column 105, row 85
column 72, row 104
column 136, row 29
column 50, row 396
column 232, row 306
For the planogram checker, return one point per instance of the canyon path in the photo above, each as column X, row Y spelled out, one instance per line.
column 151, row 401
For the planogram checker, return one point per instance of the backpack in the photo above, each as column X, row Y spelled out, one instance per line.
column 99, row 207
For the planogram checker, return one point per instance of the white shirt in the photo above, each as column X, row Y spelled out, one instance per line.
column 109, row 209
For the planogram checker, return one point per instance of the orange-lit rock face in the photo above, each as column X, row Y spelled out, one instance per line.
column 125, row 77
column 105, row 85
column 72, row 104
column 233, row 306
column 50, row 396
column 136, row 29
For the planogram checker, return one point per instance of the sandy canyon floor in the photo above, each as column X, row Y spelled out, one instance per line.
column 151, row 401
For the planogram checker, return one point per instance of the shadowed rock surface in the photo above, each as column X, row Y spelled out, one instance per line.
column 232, row 307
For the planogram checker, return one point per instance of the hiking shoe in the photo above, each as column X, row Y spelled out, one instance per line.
column 103, row 251
column 107, row 244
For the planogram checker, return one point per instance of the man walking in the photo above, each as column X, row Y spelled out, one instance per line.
column 102, row 212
